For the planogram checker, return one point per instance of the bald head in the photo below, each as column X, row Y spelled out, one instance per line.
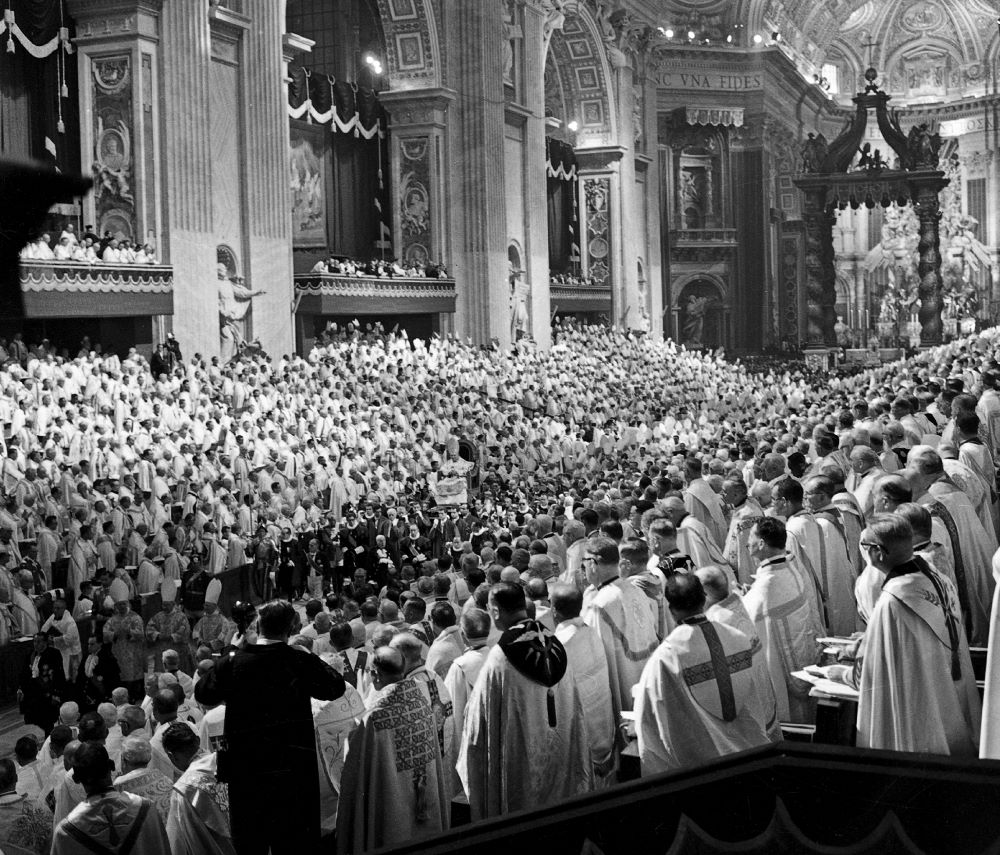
column 389, row 666
column 714, row 582
column 411, row 649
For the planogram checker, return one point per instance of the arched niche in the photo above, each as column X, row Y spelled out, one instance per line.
column 701, row 312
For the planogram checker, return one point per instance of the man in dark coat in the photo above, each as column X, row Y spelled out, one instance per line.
column 270, row 756
column 43, row 685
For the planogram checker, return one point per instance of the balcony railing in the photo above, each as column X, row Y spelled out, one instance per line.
column 75, row 289
column 329, row 293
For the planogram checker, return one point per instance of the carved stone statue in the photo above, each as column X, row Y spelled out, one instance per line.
column 922, row 147
column 235, row 303
column 814, row 151
column 694, row 320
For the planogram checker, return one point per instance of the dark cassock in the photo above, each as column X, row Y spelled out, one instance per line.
column 43, row 685
column 270, row 757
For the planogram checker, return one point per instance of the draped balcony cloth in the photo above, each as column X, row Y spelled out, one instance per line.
column 724, row 116
column 560, row 160
column 37, row 25
column 346, row 107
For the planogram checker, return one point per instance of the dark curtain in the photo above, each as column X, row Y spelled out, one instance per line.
column 559, row 218
column 30, row 92
column 561, row 193
column 352, row 216
column 353, row 163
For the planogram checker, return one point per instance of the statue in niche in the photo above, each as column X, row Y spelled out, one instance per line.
column 511, row 33
column 235, row 305
column 693, row 330
column 520, row 322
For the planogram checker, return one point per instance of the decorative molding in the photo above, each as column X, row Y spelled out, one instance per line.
column 332, row 285
column 421, row 108
column 599, row 296
column 101, row 20
column 69, row 276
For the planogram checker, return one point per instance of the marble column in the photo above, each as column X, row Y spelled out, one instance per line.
column 268, row 203
column 625, row 297
column 655, row 265
column 536, row 205
column 477, row 212
column 189, row 244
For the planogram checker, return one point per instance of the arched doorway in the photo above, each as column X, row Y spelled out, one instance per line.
column 701, row 315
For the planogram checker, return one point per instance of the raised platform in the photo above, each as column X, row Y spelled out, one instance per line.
column 69, row 289
column 331, row 294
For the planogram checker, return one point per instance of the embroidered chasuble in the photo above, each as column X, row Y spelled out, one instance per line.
column 198, row 823
column 393, row 765
column 698, row 698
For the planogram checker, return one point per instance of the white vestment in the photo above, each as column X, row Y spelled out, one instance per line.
column 690, row 709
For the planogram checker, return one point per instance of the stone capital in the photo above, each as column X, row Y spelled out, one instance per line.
column 417, row 108
column 113, row 20
column 599, row 158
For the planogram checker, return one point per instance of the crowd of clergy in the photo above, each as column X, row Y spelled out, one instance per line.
column 651, row 554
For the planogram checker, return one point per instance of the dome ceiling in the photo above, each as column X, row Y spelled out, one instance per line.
column 925, row 50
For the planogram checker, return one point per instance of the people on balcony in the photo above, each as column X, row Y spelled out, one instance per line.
column 380, row 268
column 88, row 249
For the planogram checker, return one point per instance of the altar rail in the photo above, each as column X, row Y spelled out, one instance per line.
column 71, row 289
column 334, row 294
